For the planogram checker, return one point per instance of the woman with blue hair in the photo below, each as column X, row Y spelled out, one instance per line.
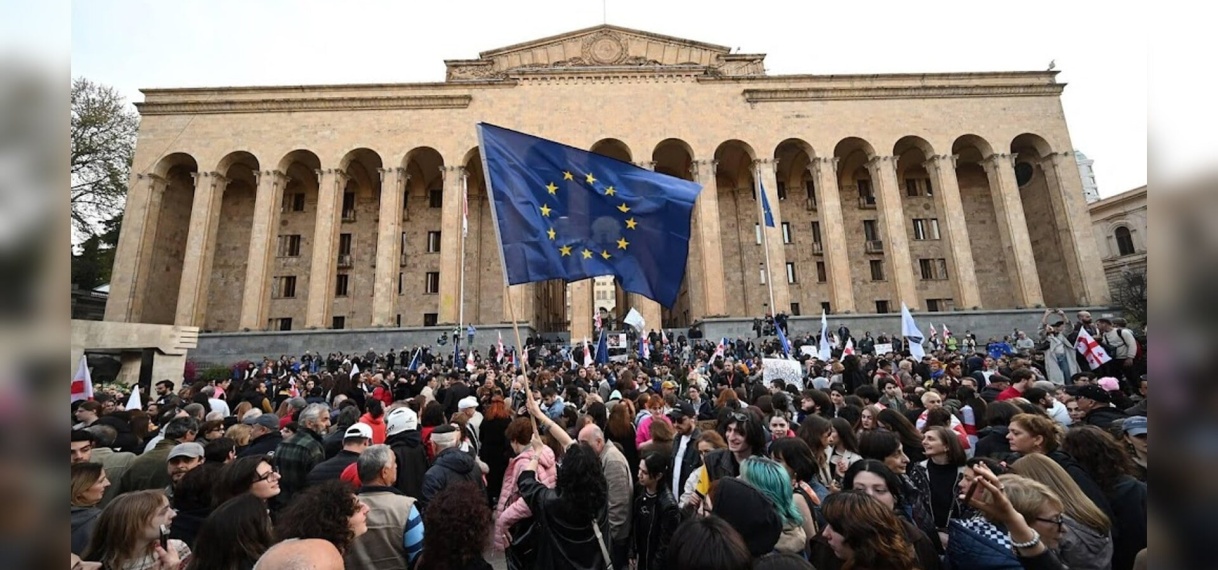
column 773, row 480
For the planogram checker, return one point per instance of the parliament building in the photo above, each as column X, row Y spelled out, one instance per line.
column 341, row 206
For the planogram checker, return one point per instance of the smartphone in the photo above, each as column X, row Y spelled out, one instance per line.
column 164, row 538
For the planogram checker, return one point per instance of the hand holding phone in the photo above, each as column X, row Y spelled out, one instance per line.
column 164, row 537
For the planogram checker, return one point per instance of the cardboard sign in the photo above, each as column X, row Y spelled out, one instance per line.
column 790, row 371
column 883, row 348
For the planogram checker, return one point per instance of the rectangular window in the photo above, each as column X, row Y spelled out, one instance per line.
column 402, row 251
column 824, row 306
column 932, row 305
column 941, row 268
column 815, row 232
column 338, row 322
column 871, row 230
column 911, row 187
column 285, row 324
column 430, row 319
column 786, row 232
column 782, row 191
column 791, row 272
column 435, row 198
column 929, row 190
column 432, row 285
column 926, row 228
column 927, row 269
column 406, row 204
column 399, row 321
column 284, row 287
column 810, row 189
column 881, row 306
column 934, row 228
column 401, row 280
column 433, row 242
column 344, row 244
column 348, row 206
column 763, row 272
column 794, row 309
column 341, row 286
column 289, row 246
column 877, row 269
column 298, row 202
column 821, row 275
column 757, row 230
column 864, row 188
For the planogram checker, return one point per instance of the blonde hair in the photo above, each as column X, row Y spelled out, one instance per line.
column 1028, row 496
column 84, row 476
column 116, row 538
column 1037, row 425
column 239, row 433
column 1076, row 505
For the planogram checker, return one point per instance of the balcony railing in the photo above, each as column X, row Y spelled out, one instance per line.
column 344, row 260
column 874, row 246
column 810, row 204
column 818, row 248
column 348, row 215
column 867, row 202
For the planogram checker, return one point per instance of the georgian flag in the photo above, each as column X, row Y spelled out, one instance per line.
column 946, row 333
column 1094, row 353
column 645, row 349
column 500, row 357
column 587, row 353
column 719, row 351
column 596, row 320
column 469, row 361
column 849, row 347
column 933, row 334
column 82, row 382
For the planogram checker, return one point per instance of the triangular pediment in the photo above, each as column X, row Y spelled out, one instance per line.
column 605, row 47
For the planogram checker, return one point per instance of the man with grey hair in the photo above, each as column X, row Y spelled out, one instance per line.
column 148, row 470
column 620, row 487
column 395, row 527
column 114, row 463
column 302, row 554
column 195, row 410
column 451, row 465
column 217, row 404
column 299, row 454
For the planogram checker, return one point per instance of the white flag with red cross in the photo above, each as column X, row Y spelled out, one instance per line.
column 849, row 349
column 1094, row 353
column 82, row 383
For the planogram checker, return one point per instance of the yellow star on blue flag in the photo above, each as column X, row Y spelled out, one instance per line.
column 550, row 201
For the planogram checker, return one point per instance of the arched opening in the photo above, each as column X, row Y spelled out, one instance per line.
column 1046, row 220
column 873, row 285
column 744, row 276
column 230, row 254
column 928, row 246
column 1124, row 241
column 164, row 242
column 609, row 299
column 988, row 237
column 355, row 273
column 484, row 290
column 290, row 274
column 674, row 157
column 417, row 300
column 801, row 228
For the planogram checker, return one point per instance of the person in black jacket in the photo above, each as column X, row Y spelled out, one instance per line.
column 264, row 437
column 685, row 456
column 451, row 466
column 573, row 516
column 404, row 438
column 656, row 515
column 456, row 392
column 356, row 439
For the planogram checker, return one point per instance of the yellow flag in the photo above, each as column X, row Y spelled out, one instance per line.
column 703, row 481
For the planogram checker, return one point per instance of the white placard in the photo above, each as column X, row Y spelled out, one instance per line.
column 790, row 371
column 881, row 349
column 616, row 341
column 808, row 350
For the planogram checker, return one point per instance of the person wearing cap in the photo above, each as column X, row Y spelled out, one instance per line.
column 685, row 457
column 468, row 407
column 451, row 465
column 356, row 439
column 404, row 438
column 264, row 435
column 1134, row 431
column 1096, row 405
column 148, row 471
column 182, row 458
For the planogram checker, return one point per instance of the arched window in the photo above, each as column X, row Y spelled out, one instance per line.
column 1124, row 240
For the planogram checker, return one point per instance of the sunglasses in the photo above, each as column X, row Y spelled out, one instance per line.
column 739, row 417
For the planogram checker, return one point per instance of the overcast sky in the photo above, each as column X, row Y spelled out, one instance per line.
column 1100, row 48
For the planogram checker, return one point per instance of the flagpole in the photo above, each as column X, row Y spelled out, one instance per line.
column 765, row 240
column 461, row 279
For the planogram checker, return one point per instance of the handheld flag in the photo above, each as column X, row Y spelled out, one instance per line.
column 946, row 333
column 824, row 352
column 849, row 349
column 354, row 370
column 766, row 212
column 933, row 333
column 1094, row 353
column 644, row 349
column 721, row 349
column 587, row 353
column 133, row 403
column 596, row 321
column 782, row 338
column 602, row 349
column 913, row 336
column 565, row 213
column 635, row 319
column 82, row 382
column 414, row 361
column 500, row 351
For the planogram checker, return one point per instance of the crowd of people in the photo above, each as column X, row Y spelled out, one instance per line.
column 1007, row 454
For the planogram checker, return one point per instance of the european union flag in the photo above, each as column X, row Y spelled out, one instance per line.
column 565, row 213
column 768, row 214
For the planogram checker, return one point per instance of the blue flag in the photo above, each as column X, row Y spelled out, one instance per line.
column 782, row 338
column 602, row 349
column 414, row 361
column 565, row 213
column 765, row 206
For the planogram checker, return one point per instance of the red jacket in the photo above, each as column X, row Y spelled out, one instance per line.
column 378, row 427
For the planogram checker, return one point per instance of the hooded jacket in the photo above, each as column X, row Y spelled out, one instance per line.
column 452, row 466
column 1103, row 417
column 412, row 461
column 377, row 425
column 750, row 512
column 992, row 442
column 264, row 444
column 84, row 520
column 1084, row 548
column 512, row 507
column 977, row 544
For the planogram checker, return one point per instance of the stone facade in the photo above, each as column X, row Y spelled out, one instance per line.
column 1119, row 223
column 342, row 206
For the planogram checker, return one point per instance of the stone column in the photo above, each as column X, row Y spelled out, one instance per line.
column 1013, row 227
column 964, row 272
column 322, row 268
column 1083, row 260
column 892, row 217
column 200, row 242
column 708, row 296
column 263, row 237
column 450, row 245
column 652, row 316
column 134, row 249
column 834, row 235
column 767, row 169
column 388, row 246
column 522, row 300
column 582, row 307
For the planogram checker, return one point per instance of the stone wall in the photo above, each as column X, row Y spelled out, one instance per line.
column 993, row 279
column 230, row 258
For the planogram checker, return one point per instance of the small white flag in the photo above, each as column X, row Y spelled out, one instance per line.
column 82, row 382
column 587, row 353
column 849, row 347
column 635, row 319
column 913, row 336
column 1094, row 353
column 133, row 403
column 825, row 352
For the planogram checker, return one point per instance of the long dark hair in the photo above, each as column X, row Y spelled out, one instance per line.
column 846, row 438
column 581, row 481
column 708, row 542
column 795, row 452
column 236, row 478
column 871, row 530
column 879, row 469
column 897, row 423
column 233, row 536
column 1100, row 454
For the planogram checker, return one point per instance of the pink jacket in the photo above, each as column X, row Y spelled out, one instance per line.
column 512, row 508
column 643, row 434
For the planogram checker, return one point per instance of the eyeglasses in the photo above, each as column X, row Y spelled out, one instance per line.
column 1059, row 521
column 273, row 473
column 739, row 417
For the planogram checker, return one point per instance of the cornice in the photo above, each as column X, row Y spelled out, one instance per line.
column 203, row 107
column 911, row 92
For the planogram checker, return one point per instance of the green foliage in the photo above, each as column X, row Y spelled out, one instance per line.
column 103, row 132
column 215, row 373
column 1129, row 293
